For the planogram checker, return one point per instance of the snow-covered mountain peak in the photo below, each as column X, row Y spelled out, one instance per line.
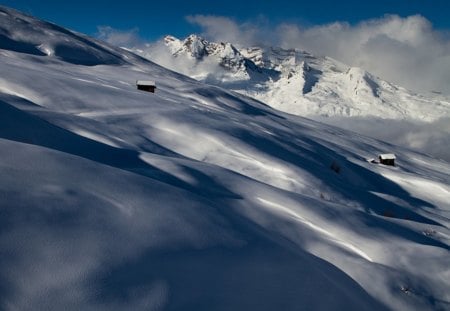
column 199, row 49
column 360, row 82
column 196, row 46
column 168, row 40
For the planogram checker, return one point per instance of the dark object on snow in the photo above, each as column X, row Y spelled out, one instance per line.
column 387, row 159
column 335, row 167
column 148, row 86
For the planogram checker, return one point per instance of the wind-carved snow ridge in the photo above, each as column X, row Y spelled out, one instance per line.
column 280, row 208
column 24, row 34
column 199, row 198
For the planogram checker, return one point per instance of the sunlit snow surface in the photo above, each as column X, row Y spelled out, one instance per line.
column 196, row 198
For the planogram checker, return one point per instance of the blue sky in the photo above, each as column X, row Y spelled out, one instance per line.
column 157, row 18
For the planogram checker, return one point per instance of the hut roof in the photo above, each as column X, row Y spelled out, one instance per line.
column 143, row 82
column 387, row 156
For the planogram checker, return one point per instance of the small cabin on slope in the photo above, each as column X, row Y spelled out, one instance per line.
column 387, row 159
column 148, row 86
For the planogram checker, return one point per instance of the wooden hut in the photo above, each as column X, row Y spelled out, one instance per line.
column 387, row 159
column 148, row 86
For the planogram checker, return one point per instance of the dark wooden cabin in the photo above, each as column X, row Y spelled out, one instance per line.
column 148, row 86
column 387, row 159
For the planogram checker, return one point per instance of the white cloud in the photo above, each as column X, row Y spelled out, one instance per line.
column 159, row 53
column 430, row 138
column 122, row 38
column 403, row 50
column 224, row 29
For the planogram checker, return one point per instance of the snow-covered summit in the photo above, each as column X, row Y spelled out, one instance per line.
column 196, row 47
column 198, row 198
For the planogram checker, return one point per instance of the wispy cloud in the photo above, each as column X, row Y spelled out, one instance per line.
column 430, row 138
column 407, row 51
column 224, row 29
column 122, row 38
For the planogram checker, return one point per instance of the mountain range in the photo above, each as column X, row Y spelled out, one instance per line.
column 300, row 83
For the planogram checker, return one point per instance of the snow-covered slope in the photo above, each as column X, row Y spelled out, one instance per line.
column 299, row 83
column 197, row 198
